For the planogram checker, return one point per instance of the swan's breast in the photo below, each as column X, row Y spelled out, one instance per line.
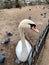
column 19, row 48
column 23, row 55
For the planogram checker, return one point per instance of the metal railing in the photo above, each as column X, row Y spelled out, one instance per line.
column 38, row 47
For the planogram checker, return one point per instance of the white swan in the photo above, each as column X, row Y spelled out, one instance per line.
column 23, row 47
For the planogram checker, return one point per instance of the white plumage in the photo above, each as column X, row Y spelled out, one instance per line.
column 23, row 47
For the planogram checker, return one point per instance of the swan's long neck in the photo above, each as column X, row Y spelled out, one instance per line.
column 22, row 38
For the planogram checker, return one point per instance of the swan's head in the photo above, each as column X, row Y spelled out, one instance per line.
column 28, row 24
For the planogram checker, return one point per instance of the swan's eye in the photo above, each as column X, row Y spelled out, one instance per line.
column 32, row 25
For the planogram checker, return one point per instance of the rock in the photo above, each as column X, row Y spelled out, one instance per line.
column 29, row 17
column 9, row 34
column 45, row 13
column 2, row 58
column 41, row 14
column 43, row 7
column 29, row 9
column 7, row 40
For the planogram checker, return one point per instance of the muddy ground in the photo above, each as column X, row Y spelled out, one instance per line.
column 9, row 21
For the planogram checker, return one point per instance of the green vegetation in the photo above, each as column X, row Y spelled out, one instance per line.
column 47, row 1
column 16, row 3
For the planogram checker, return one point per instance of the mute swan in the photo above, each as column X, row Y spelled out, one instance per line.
column 23, row 47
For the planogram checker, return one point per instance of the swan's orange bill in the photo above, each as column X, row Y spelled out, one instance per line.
column 35, row 29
